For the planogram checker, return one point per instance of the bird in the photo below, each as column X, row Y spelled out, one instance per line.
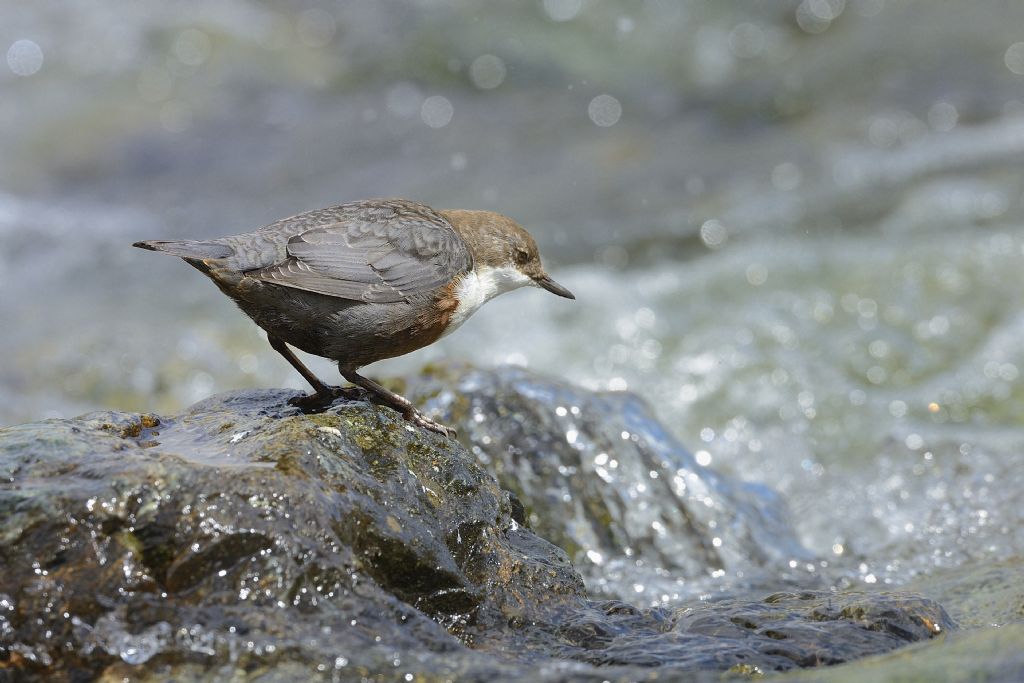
column 367, row 280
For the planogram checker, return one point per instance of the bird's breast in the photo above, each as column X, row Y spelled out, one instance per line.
column 479, row 286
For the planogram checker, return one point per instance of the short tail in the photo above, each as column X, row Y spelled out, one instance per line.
column 188, row 249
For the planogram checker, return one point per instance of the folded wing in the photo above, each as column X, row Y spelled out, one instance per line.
column 380, row 257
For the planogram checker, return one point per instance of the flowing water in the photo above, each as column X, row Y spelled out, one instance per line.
column 796, row 229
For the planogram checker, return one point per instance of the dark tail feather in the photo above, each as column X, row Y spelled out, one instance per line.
column 188, row 249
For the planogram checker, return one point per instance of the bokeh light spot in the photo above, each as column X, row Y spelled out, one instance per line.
column 604, row 110
column 757, row 274
column 943, row 116
column 815, row 16
column 25, row 57
column 1014, row 58
column 487, row 72
column 192, row 47
column 437, row 111
column 562, row 10
column 713, row 233
column 404, row 100
column 746, row 40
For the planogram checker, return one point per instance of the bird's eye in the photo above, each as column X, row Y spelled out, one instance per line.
column 522, row 256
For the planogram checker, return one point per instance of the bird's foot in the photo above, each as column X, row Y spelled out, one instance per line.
column 421, row 420
column 322, row 400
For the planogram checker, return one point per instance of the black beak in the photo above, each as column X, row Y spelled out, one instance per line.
column 547, row 283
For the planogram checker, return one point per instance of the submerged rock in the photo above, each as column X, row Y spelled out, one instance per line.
column 243, row 540
column 780, row 632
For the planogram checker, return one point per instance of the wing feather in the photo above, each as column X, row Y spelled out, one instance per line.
column 377, row 255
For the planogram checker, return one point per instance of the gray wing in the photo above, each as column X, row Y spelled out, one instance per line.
column 378, row 257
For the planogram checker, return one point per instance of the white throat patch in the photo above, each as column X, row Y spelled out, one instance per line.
column 480, row 286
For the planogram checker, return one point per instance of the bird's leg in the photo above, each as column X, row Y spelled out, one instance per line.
column 399, row 403
column 324, row 395
column 282, row 348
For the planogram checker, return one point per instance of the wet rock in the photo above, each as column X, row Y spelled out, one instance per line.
column 600, row 477
column 242, row 531
column 243, row 540
column 780, row 632
column 993, row 654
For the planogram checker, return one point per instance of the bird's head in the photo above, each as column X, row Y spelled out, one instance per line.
column 500, row 244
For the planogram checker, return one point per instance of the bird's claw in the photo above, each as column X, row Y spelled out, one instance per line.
column 419, row 419
column 322, row 400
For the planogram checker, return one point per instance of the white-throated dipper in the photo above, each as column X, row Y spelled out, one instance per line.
column 364, row 281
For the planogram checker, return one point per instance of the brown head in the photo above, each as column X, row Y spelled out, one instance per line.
column 499, row 242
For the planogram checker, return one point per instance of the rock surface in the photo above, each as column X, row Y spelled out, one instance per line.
column 242, row 540
column 601, row 478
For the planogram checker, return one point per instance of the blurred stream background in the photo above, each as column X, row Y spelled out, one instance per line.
column 795, row 228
